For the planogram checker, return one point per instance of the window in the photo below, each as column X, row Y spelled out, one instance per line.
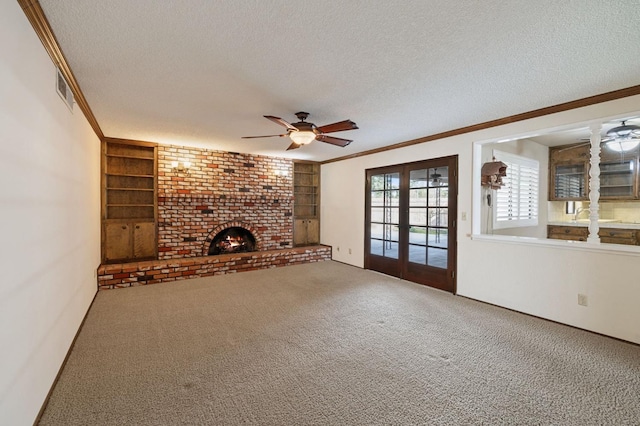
column 516, row 202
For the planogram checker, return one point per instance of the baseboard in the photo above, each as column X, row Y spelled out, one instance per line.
column 64, row 363
column 553, row 321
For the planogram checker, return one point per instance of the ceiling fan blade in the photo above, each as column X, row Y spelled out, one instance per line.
column 293, row 146
column 338, row 127
column 265, row 136
column 333, row 140
column 603, row 140
column 280, row 121
column 574, row 146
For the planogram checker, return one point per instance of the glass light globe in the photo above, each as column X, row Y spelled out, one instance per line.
column 302, row 137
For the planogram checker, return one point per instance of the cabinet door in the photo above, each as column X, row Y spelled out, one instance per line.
column 299, row 232
column 569, row 182
column 313, row 231
column 569, row 173
column 144, row 239
column 618, row 180
column 118, row 241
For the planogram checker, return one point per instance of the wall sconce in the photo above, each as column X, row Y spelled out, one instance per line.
column 181, row 166
column 281, row 174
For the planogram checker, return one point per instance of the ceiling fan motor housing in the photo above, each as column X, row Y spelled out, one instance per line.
column 306, row 127
column 302, row 115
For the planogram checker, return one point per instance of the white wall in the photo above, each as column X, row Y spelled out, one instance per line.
column 50, row 216
column 541, row 280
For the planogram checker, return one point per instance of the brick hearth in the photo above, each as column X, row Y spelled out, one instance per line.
column 160, row 271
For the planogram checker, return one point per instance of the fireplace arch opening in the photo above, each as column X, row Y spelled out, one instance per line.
column 234, row 239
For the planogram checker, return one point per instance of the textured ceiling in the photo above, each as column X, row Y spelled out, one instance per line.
column 203, row 73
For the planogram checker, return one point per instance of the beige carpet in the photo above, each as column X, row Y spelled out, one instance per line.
column 330, row 344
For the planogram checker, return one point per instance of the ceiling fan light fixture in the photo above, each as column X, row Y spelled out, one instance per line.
column 624, row 131
column 622, row 145
column 302, row 137
column 624, row 138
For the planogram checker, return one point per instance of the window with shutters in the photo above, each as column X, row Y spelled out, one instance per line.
column 516, row 202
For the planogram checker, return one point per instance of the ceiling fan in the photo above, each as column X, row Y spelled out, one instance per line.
column 621, row 138
column 302, row 132
column 435, row 177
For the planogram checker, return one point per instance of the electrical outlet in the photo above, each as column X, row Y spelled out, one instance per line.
column 463, row 216
column 349, row 251
column 337, row 248
column 582, row 299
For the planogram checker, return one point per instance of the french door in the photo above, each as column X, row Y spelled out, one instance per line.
column 411, row 221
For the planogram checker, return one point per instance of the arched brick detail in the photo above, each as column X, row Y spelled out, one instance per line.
column 232, row 224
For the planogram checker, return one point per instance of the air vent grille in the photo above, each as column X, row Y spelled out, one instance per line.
column 63, row 90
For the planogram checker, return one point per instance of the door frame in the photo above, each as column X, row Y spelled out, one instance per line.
column 443, row 279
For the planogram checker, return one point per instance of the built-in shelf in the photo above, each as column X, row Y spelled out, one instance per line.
column 130, row 189
column 137, row 157
column 130, row 175
column 131, row 205
column 129, row 212
column 306, row 189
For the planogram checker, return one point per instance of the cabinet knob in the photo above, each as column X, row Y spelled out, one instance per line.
column 566, row 231
column 124, row 227
column 137, row 226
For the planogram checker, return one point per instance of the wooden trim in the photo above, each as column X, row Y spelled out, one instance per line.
column 38, row 20
column 130, row 142
column 579, row 103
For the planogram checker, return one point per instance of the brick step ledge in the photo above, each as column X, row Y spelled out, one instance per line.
column 121, row 275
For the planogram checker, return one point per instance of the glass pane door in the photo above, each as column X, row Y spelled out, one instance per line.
column 385, row 214
column 617, row 180
column 570, row 181
column 410, row 221
column 428, row 216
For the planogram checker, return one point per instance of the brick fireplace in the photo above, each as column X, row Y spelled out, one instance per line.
column 220, row 190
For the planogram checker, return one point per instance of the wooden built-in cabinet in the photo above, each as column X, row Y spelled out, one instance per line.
column 306, row 231
column 306, row 205
column 569, row 174
column 607, row 235
column 619, row 174
column 129, row 194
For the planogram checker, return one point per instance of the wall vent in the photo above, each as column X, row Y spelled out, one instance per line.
column 64, row 90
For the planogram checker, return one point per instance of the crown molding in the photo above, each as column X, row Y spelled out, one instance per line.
column 38, row 20
column 579, row 103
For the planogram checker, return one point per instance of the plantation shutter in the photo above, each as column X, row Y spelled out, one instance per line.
column 516, row 202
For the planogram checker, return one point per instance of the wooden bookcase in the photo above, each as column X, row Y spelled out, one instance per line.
column 306, row 206
column 129, row 200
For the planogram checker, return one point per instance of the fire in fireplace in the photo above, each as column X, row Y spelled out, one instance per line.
column 232, row 240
